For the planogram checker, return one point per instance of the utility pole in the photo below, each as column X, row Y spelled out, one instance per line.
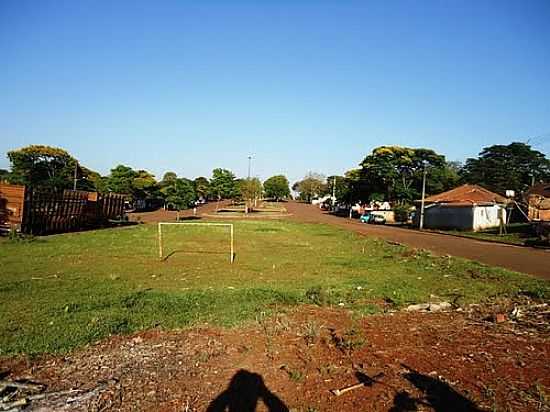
column 333, row 200
column 423, row 195
column 75, row 175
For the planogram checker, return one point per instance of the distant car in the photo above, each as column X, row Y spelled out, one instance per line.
column 372, row 218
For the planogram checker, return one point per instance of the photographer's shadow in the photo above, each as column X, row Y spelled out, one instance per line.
column 243, row 393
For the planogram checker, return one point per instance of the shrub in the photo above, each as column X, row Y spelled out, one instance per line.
column 401, row 212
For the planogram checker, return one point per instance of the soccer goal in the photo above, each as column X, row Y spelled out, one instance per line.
column 228, row 225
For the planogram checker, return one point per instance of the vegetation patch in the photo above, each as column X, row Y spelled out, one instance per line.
column 65, row 291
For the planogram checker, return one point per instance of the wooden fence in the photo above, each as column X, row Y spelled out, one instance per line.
column 45, row 212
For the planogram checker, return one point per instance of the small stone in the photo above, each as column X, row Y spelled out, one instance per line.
column 500, row 317
column 418, row 307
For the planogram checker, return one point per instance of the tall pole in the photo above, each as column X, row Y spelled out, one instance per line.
column 249, row 161
column 75, row 175
column 333, row 200
column 423, row 195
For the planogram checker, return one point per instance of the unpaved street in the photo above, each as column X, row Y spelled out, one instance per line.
column 521, row 259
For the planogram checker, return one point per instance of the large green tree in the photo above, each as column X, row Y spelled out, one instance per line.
column 507, row 167
column 42, row 167
column 396, row 173
column 46, row 167
column 168, row 179
column 145, row 186
column 223, row 184
column 121, row 180
column 180, row 194
column 202, row 187
column 277, row 187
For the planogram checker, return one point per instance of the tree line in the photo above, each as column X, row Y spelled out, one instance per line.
column 50, row 168
column 395, row 173
column 392, row 173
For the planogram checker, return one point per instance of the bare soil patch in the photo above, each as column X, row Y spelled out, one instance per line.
column 459, row 361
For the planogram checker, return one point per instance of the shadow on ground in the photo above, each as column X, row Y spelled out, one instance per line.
column 243, row 393
column 437, row 395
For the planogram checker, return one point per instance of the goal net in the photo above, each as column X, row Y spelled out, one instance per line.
column 215, row 238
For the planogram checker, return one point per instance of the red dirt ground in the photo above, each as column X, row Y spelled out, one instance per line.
column 408, row 361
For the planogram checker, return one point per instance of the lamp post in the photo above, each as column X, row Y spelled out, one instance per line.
column 421, row 226
column 249, row 162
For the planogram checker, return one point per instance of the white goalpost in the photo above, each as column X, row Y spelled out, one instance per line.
column 230, row 225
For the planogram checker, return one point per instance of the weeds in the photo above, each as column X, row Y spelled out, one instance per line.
column 351, row 340
column 295, row 376
column 311, row 332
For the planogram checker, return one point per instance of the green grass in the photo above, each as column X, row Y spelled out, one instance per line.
column 61, row 292
column 518, row 234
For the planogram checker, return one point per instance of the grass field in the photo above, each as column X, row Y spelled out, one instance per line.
column 61, row 292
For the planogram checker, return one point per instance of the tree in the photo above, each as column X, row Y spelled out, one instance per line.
column 144, row 185
column 180, row 194
column 223, row 184
column 4, row 175
column 202, row 187
column 99, row 183
column 507, row 167
column 168, row 179
column 121, row 180
column 340, row 186
column 311, row 186
column 277, row 187
column 398, row 171
column 42, row 166
column 250, row 190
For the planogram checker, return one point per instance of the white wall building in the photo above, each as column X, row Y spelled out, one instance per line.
column 468, row 207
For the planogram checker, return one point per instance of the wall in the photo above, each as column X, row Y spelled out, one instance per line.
column 12, row 199
column 448, row 217
column 486, row 217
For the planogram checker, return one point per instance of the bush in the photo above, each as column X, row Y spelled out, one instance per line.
column 401, row 212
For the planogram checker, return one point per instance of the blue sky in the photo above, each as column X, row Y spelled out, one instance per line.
column 301, row 85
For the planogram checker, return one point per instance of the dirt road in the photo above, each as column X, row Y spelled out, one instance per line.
column 521, row 259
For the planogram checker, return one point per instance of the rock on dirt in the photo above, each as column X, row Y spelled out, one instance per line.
column 429, row 307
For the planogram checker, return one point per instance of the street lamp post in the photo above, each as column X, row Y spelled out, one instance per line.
column 249, row 162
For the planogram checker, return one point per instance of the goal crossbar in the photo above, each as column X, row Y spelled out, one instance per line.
column 230, row 225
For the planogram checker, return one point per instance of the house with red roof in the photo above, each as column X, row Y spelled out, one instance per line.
column 538, row 199
column 467, row 207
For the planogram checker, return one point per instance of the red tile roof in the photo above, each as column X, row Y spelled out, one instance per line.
column 467, row 194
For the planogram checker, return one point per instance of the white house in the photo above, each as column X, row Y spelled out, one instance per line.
column 467, row 207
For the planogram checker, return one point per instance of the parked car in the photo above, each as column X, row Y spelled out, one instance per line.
column 372, row 218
